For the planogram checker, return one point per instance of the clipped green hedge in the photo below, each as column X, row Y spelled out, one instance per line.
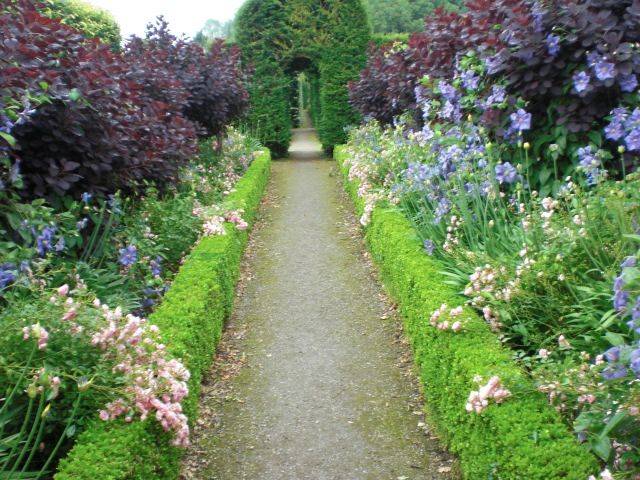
column 327, row 39
column 92, row 21
column 523, row 438
column 191, row 319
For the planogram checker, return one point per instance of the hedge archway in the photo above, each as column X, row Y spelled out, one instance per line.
column 325, row 39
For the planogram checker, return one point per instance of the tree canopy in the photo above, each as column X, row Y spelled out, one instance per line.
column 397, row 16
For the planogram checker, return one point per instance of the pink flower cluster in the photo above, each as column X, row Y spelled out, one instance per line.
column 235, row 217
column 214, row 219
column 452, row 239
column 447, row 319
column 488, row 280
column 492, row 318
column 154, row 384
column 214, row 226
column 39, row 333
column 479, row 400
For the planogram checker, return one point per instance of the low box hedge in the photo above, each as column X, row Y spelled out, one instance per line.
column 191, row 319
column 524, row 438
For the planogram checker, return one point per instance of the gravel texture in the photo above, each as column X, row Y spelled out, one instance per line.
column 313, row 379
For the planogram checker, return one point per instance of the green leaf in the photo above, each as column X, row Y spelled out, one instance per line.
column 8, row 138
column 75, row 95
column 601, row 446
column 615, row 339
column 614, row 422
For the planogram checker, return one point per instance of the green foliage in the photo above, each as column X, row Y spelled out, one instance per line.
column 191, row 319
column 522, row 438
column 92, row 21
column 380, row 39
column 327, row 40
column 398, row 16
column 260, row 28
column 211, row 30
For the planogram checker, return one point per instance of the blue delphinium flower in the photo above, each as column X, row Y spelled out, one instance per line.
column 44, row 241
column 156, row 266
column 450, row 111
column 632, row 140
column 616, row 128
column 628, row 83
column 60, row 245
column 82, row 224
column 470, row 80
column 538, row 12
column 448, row 91
column 614, row 372
column 443, row 208
column 7, row 275
column 621, row 296
column 86, row 197
column 497, row 96
column 429, row 246
column 581, row 81
column 612, row 355
column 633, row 121
column 6, row 125
column 128, row 256
column 520, row 120
column 114, row 204
column 493, row 64
column 506, row 173
column 604, row 70
column 590, row 164
column 553, row 44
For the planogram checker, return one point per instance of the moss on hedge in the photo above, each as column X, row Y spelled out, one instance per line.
column 523, row 438
column 328, row 39
column 191, row 319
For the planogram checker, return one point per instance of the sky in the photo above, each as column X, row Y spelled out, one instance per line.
column 184, row 16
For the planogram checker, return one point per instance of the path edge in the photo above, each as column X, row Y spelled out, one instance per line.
column 191, row 318
column 523, row 438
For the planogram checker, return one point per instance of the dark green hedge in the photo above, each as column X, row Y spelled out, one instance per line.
column 523, row 438
column 279, row 38
column 91, row 21
column 191, row 319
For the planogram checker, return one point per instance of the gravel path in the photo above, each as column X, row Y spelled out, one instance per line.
column 312, row 379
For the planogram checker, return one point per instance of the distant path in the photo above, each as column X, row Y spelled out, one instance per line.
column 307, row 383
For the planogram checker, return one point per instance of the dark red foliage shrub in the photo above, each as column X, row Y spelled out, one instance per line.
column 385, row 88
column 88, row 119
column 540, row 47
column 216, row 85
column 546, row 47
column 208, row 88
column 75, row 135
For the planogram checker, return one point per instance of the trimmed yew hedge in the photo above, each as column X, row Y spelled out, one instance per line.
column 191, row 319
column 278, row 39
column 523, row 438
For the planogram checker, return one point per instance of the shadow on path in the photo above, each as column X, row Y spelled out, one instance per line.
column 308, row 383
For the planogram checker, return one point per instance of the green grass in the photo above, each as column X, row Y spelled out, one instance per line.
column 191, row 319
column 523, row 438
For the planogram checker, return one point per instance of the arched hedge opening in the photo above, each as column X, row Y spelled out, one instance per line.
column 325, row 39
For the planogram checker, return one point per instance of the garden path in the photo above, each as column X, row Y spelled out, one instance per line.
column 312, row 380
